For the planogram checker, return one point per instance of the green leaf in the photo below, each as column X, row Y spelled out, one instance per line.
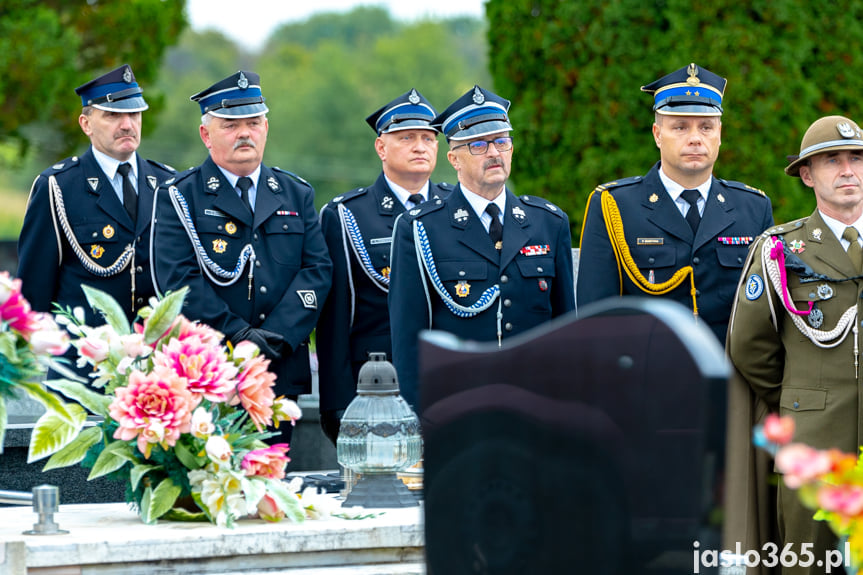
column 187, row 458
column 53, row 432
column 164, row 314
column 144, row 509
column 109, row 308
column 288, row 502
column 139, row 471
column 254, row 489
column 76, row 450
column 2, row 422
column 96, row 403
column 51, row 402
column 112, row 458
column 160, row 501
column 180, row 514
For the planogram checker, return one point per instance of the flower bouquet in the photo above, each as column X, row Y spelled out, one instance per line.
column 27, row 342
column 183, row 417
column 827, row 481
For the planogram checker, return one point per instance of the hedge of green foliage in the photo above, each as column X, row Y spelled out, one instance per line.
column 574, row 69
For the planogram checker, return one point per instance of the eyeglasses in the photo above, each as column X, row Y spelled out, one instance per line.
column 480, row 147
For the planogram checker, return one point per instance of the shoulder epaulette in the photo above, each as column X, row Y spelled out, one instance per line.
column 292, row 175
column 356, row 192
column 741, row 186
column 62, row 166
column 445, row 186
column 784, row 228
column 180, row 177
column 161, row 165
column 618, row 183
column 541, row 203
column 425, row 208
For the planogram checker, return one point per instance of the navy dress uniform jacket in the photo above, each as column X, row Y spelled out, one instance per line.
column 292, row 269
column 355, row 320
column 49, row 268
column 661, row 242
column 533, row 271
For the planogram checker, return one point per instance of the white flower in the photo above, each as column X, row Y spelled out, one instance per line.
column 218, row 449
column 245, row 350
column 202, row 423
column 285, row 409
column 318, row 505
column 49, row 338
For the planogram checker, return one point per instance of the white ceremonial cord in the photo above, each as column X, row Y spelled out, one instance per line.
column 846, row 322
column 349, row 266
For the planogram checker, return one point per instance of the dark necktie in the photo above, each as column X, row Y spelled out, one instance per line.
column 495, row 229
column 244, row 184
column 416, row 199
column 693, row 218
column 855, row 252
column 130, row 198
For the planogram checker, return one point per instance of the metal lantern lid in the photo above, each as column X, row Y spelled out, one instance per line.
column 377, row 376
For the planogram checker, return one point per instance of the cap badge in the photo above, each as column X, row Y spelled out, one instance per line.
column 242, row 82
column 462, row 289
column 108, row 232
column 797, row 246
column 461, row 215
column 816, row 234
column 721, row 198
column 845, row 130
column 94, row 183
column 213, row 183
column 825, row 291
column 274, row 185
column 219, row 246
column 653, row 198
column 692, row 80
column 231, row 228
column 478, row 97
column 127, row 75
column 816, row 318
column 96, row 251
column 518, row 213
column 387, row 202
column 414, row 98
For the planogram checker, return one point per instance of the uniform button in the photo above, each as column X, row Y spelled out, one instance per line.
column 285, row 226
column 811, row 295
column 508, row 327
column 697, row 292
column 220, row 228
column 95, row 235
column 262, row 317
column 538, row 269
column 263, row 289
column 695, row 260
column 651, row 260
column 139, row 270
column 438, row 202
column 507, row 303
column 256, row 237
column 461, row 274
column 386, row 256
column 504, row 279
column 257, row 263
column 140, row 300
column 740, row 260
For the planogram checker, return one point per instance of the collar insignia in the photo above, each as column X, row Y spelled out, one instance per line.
column 213, row 183
column 94, row 183
column 461, row 215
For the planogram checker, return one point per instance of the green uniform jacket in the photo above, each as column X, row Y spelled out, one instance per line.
column 816, row 386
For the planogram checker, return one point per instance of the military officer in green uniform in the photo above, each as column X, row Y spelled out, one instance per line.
column 793, row 332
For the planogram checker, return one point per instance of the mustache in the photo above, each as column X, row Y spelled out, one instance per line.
column 125, row 133
column 492, row 162
column 245, row 142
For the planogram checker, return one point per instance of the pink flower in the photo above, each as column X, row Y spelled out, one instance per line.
column 269, row 510
column 154, row 408
column 778, row 430
column 95, row 346
column 205, row 366
column 255, row 391
column 800, row 464
column 846, row 500
column 269, row 462
column 218, row 449
column 202, row 331
column 49, row 338
column 14, row 308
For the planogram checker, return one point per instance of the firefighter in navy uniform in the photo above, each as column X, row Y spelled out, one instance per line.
column 642, row 235
column 88, row 217
column 482, row 263
column 244, row 237
column 358, row 229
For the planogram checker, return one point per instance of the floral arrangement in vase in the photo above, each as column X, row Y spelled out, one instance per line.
column 28, row 341
column 181, row 418
column 830, row 481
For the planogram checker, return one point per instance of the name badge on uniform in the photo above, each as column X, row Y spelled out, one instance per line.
column 650, row 241
column 215, row 213
column 378, row 241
